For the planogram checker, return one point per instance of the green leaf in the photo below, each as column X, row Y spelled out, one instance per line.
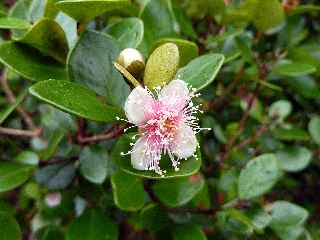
column 13, row 175
column 75, row 99
column 201, row 71
column 69, row 25
column 268, row 15
column 48, row 37
column 294, row 69
column 314, row 129
column 95, row 164
column 92, row 225
column 6, row 112
column 128, row 32
column 177, row 192
column 154, row 218
column 187, row 232
column 290, row 134
column 294, row 158
column 56, row 176
column 280, row 110
column 28, row 158
column 307, row 8
column 260, row 219
column 285, row 214
column 91, row 63
column 187, row 168
column 259, row 176
column 187, row 50
column 128, row 192
column 86, row 10
column 50, row 233
column 162, row 65
column 13, row 23
column 9, row 228
column 29, row 63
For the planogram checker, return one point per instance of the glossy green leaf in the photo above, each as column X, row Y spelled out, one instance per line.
column 128, row 32
column 153, row 218
column 9, row 228
column 13, row 23
column 48, row 37
column 95, row 164
column 280, row 110
column 187, row 50
column 314, row 129
column 13, row 175
column 4, row 114
column 259, row 176
column 56, row 176
column 294, row 69
column 69, row 25
column 190, row 231
column 201, row 71
column 294, row 158
column 92, row 225
column 51, row 9
column 91, row 63
column 29, row 63
column 128, row 192
column 86, row 10
column 162, row 65
column 28, row 158
column 75, row 99
column 187, row 168
column 177, row 192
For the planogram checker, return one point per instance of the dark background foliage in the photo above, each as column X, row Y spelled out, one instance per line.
column 61, row 173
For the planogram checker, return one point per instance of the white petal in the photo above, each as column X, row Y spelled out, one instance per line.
column 185, row 142
column 175, row 93
column 138, row 156
column 136, row 104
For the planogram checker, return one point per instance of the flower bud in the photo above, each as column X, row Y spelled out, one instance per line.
column 132, row 60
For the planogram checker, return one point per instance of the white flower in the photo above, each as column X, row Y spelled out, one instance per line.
column 166, row 124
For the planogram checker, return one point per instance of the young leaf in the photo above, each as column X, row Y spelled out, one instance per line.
column 75, row 99
column 177, row 192
column 259, row 176
column 201, row 71
column 29, row 63
column 13, row 175
column 128, row 192
column 162, row 65
column 91, row 63
column 92, row 225
column 86, row 10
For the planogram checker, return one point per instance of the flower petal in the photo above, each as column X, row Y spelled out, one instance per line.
column 185, row 142
column 176, row 93
column 136, row 104
column 139, row 158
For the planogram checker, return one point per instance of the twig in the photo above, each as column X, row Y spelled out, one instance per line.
column 114, row 132
column 12, row 99
column 21, row 133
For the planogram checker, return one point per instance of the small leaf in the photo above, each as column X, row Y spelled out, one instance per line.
column 128, row 32
column 314, row 129
column 75, row 99
column 294, row 69
column 187, row 167
column 28, row 158
column 177, row 192
column 91, row 63
column 48, row 37
column 86, row 10
column 56, row 176
column 95, row 164
column 162, row 65
column 92, row 225
column 294, row 158
column 187, row 50
column 280, row 110
column 201, row 71
column 128, row 192
column 259, row 176
column 187, row 232
column 290, row 134
column 9, row 228
column 30, row 64
column 13, row 175
column 13, row 23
